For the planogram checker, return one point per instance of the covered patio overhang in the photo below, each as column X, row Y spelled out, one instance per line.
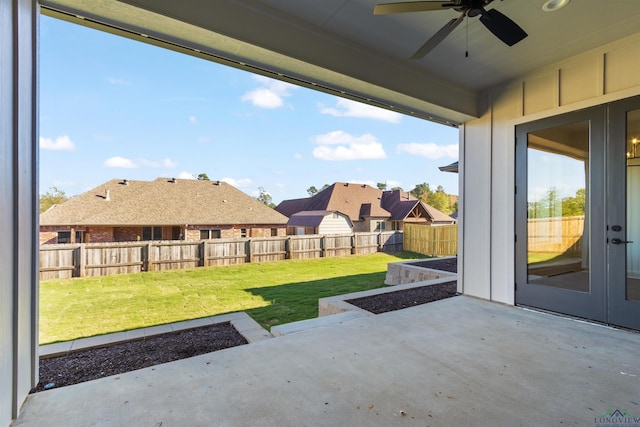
column 582, row 55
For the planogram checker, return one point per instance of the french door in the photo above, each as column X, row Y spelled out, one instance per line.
column 577, row 205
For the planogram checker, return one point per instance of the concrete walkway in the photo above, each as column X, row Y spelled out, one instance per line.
column 455, row 362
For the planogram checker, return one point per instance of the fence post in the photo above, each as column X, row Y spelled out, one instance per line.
column 323, row 246
column 249, row 251
column 203, row 253
column 147, row 265
column 287, row 248
column 80, row 261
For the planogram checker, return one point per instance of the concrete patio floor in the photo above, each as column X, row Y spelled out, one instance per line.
column 455, row 362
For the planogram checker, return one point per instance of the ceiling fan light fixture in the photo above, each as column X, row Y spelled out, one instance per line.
column 553, row 5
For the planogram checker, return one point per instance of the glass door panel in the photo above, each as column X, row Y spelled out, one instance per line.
column 623, row 203
column 560, row 214
column 557, row 239
column 632, row 239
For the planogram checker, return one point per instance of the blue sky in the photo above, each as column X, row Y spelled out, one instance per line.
column 113, row 108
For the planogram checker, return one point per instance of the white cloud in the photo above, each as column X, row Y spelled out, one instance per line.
column 238, row 183
column 120, row 162
column 168, row 163
column 297, row 156
column 186, row 175
column 270, row 95
column 61, row 143
column 349, row 108
column 193, row 119
column 429, row 150
column 391, row 183
column 118, row 81
column 339, row 145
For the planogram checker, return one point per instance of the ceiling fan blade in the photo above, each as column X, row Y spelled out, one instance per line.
column 438, row 37
column 412, row 6
column 502, row 27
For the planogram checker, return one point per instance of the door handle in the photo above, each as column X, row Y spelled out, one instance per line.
column 617, row 241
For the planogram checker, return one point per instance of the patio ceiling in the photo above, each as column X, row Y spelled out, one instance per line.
column 340, row 46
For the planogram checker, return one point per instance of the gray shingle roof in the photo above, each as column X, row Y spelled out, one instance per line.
column 162, row 202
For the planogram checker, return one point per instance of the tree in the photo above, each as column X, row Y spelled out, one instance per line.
column 421, row 191
column 574, row 206
column 54, row 196
column 440, row 200
column 382, row 186
column 550, row 205
column 265, row 198
column 313, row 190
column 203, row 177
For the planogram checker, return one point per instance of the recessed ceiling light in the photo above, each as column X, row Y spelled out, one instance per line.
column 553, row 5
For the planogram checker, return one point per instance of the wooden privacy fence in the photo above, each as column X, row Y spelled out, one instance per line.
column 104, row 259
column 431, row 240
column 555, row 235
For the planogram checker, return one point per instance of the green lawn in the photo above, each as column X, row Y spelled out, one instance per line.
column 272, row 293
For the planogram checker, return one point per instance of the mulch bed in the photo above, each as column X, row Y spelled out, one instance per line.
column 448, row 264
column 90, row 364
column 398, row 300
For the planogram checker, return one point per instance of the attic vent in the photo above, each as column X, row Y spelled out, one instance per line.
column 125, row 182
column 364, row 185
column 173, row 180
column 106, row 195
column 346, row 184
column 224, row 200
column 216, row 182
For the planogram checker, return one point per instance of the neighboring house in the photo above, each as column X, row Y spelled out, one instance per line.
column 319, row 222
column 164, row 209
column 369, row 209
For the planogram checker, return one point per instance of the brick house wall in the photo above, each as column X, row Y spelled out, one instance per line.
column 100, row 234
column 235, row 231
column 49, row 234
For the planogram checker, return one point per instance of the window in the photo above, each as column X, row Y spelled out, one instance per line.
column 64, row 237
column 210, row 234
column 274, row 232
column 152, row 233
column 243, row 232
column 380, row 226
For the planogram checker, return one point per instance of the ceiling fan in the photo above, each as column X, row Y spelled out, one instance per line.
column 499, row 24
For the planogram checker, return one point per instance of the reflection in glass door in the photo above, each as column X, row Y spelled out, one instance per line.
column 557, row 239
column 632, row 239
